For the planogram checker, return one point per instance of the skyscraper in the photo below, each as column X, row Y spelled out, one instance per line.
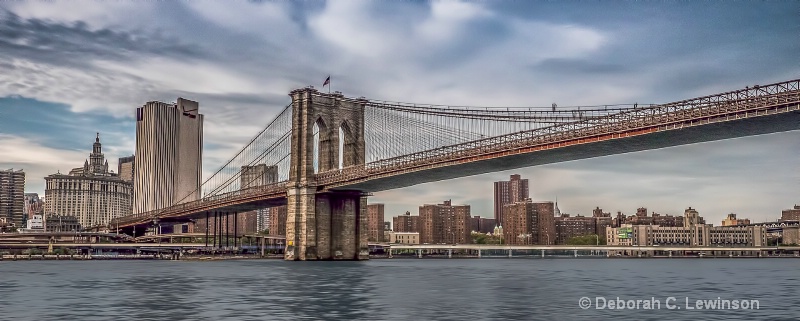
column 169, row 148
column 509, row 192
column 12, row 196
column 33, row 206
column 258, row 175
column 125, row 168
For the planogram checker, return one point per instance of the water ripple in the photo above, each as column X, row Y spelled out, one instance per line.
column 399, row 289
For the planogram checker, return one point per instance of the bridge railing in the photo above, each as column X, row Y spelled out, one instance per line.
column 707, row 107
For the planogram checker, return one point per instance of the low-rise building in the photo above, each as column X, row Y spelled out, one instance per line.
column 694, row 234
column 641, row 218
column 404, row 237
column 731, row 220
column 792, row 214
column 62, row 223
column 568, row 226
column 405, row 223
column 35, row 223
column 791, row 235
column 701, row 235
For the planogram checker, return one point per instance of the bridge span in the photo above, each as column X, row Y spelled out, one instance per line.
column 498, row 247
column 331, row 151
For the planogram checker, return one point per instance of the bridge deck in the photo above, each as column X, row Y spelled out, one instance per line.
column 585, row 247
column 589, row 147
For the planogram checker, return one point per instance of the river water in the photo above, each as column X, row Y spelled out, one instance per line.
column 400, row 289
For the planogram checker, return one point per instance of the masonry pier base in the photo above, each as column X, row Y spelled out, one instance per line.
column 326, row 226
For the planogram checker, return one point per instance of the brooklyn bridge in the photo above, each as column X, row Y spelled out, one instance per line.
column 324, row 153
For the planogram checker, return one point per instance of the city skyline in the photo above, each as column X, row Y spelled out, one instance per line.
column 64, row 98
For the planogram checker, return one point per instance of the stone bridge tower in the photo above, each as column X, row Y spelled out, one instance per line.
column 321, row 224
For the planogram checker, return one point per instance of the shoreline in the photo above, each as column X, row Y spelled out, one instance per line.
column 53, row 257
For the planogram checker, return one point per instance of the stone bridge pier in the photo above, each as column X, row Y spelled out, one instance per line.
column 326, row 226
column 327, row 134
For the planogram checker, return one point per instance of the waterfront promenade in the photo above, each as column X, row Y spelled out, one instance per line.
column 175, row 251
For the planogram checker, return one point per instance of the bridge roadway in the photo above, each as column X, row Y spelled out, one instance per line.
column 439, row 247
column 243, row 200
column 751, row 111
column 484, row 247
column 173, row 236
column 4, row 236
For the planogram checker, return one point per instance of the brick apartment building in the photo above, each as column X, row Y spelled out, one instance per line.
column 529, row 222
column 444, row 223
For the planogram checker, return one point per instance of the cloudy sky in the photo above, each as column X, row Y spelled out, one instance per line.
column 69, row 70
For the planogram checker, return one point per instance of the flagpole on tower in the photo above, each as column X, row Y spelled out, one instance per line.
column 327, row 83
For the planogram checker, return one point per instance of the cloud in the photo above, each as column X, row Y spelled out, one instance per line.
column 76, row 44
column 257, row 17
column 83, row 91
column 241, row 59
column 54, row 125
column 57, row 61
column 183, row 75
column 36, row 160
column 407, row 56
column 447, row 18
column 98, row 14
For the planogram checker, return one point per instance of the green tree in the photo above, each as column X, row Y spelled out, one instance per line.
column 478, row 238
column 592, row 239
